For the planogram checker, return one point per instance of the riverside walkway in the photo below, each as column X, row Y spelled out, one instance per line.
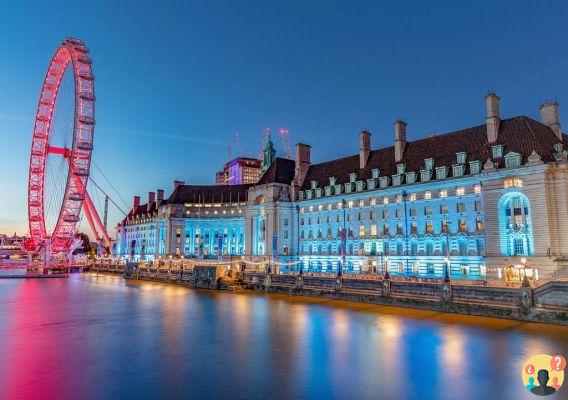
column 546, row 303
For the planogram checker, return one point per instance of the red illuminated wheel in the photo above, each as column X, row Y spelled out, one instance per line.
column 61, row 148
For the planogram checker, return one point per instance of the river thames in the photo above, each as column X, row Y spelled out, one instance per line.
column 100, row 337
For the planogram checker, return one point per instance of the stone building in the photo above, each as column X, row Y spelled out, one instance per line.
column 474, row 202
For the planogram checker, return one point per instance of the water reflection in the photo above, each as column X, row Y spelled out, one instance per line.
column 100, row 337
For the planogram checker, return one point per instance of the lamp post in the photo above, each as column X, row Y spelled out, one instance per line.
column 447, row 277
column 343, row 235
column 525, row 282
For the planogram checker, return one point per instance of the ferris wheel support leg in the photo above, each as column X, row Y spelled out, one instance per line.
column 98, row 221
column 90, row 221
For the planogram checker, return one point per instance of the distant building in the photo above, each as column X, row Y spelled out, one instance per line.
column 241, row 170
column 221, row 178
column 477, row 202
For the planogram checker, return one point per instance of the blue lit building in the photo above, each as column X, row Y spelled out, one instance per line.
column 475, row 201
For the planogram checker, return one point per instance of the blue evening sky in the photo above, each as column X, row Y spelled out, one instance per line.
column 176, row 79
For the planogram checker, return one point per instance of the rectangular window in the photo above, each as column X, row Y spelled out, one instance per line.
column 443, row 193
column 478, row 206
column 361, row 230
column 427, row 210
column 361, row 217
column 428, row 195
column 463, row 225
column 429, row 227
column 386, row 229
column 385, row 200
column 374, row 230
column 414, row 227
column 373, row 215
column 385, row 214
column 413, row 211
column 460, row 191
column 479, row 224
column 399, row 213
column 349, row 217
column 444, row 209
column 461, row 207
column 399, row 230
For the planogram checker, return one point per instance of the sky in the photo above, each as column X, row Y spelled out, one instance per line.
column 175, row 80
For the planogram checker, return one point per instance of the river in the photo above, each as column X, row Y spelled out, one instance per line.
column 100, row 337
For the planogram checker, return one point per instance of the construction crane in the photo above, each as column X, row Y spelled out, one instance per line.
column 238, row 143
column 229, row 151
column 285, row 139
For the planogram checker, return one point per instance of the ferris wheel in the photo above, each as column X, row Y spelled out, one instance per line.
column 61, row 151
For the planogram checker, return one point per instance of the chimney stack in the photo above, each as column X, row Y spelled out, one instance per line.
column 492, row 119
column 151, row 200
column 364, row 148
column 177, row 183
column 549, row 117
column 160, row 196
column 400, row 140
column 136, row 203
column 302, row 164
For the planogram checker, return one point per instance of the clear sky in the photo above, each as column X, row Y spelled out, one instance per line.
column 176, row 79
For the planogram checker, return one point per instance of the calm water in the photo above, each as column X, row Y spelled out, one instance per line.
column 91, row 337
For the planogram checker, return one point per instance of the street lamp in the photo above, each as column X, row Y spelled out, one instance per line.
column 525, row 282
column 447, row 264
column 343, row 240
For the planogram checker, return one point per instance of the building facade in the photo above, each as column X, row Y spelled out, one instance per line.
column 473, row 202
column 241, row 170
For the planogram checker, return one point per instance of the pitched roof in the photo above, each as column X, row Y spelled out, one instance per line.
column 280, row 171
column 208, row 194
column 519, row 134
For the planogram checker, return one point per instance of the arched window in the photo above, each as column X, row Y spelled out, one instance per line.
column 515, row 225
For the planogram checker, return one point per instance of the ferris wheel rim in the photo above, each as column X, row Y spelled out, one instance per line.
column 73, row 55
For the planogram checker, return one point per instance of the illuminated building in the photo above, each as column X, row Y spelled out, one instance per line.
column 475, row 200
column 239, row 171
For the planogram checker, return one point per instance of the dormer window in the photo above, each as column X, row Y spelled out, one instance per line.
column 400, row 168
column 314, row 184
column 318, row 192
column 375, row 173
column 441, row 172
column 425, row 175
column 512, row 159
column 360, row 185
column 497, row 151
column 458, row 170
column 474, row 167
column 332, row 180
column 352, row 177
column 558, row 148
column 301, row 195
column 410, row 177
column 396, row 180
column 460, row 157
column 383, row 181
column 328, row 190
column 429, row 163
